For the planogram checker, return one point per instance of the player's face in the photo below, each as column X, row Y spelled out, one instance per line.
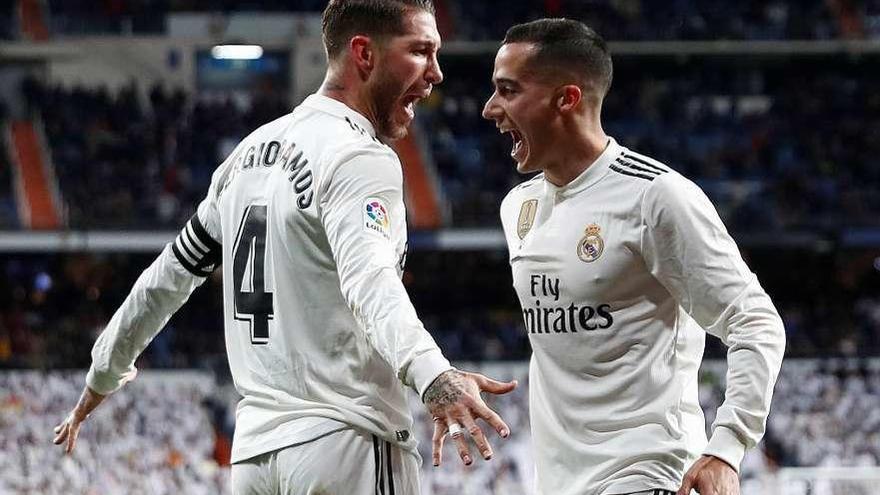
column 406, row 71
column 523, row 106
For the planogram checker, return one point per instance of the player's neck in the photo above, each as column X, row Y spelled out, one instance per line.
column 577, row 152
column 335, row 87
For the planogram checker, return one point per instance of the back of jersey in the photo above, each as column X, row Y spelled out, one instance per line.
column 288, row 208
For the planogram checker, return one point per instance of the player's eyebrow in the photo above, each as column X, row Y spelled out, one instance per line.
column 498, row 81
column 425, row 43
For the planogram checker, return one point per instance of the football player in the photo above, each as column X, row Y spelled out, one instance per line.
column 307, row 217
column 621, row 265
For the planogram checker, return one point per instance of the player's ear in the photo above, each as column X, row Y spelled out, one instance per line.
column 363, row 52
column 568, row 97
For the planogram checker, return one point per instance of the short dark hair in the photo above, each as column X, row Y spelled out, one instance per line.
column 568, row 46
column 343, row 19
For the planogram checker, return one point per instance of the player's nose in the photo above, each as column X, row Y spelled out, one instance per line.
column 490, row 109
column 434, row 75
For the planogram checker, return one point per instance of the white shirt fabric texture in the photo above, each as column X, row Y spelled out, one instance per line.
column 620, row 273
column 307, row 217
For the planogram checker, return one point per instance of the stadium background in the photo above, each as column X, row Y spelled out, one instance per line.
column 114, row 113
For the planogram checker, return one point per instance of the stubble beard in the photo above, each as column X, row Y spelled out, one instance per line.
column 385, row 98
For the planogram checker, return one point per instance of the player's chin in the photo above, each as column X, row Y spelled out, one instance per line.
column 524, row 165
column 396, row 131
column 398, row 128
column 525, row 168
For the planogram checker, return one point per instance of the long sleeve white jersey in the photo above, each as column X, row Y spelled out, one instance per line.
column 307, row 217
column 618, row 273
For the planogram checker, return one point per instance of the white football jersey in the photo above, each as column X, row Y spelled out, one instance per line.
column 618, row 273
column 307, row 217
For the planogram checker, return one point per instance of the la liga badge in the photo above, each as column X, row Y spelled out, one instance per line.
column 376, row 218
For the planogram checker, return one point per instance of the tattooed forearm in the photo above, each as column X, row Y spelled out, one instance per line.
column 446, row 390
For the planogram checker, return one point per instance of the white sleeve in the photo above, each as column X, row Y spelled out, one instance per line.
column 158, row 293
column 366, row 263
column 687, row 248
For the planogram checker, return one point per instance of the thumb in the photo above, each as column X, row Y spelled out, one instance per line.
column 686, row 486
column 487, row 384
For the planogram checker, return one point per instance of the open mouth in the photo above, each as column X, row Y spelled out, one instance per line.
column 519, row 146
column 409, row 103
column 517, row 142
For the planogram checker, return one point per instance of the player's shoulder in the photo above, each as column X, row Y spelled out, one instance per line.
column 246, row 149
column 342, row 133
column 273, row 129
column 644, row 174
column 660, row 187
column 637, row 170
column 355, row 140
column 523, row 189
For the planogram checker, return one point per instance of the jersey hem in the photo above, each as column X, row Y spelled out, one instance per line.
column 638, row 486
column 281, row 441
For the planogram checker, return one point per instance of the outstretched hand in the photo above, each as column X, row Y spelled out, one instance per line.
column 710, row 476
column 68, row 430
column 454, row 401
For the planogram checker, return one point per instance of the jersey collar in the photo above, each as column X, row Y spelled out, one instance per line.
column 335, row 107
column 591, row 175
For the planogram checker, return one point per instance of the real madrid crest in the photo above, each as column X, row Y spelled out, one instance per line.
column 591, row 245
column 526, row 217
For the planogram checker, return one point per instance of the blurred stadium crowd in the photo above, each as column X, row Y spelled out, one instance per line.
column 154, row 437
column 783, row 145
column 126, row 164
column 170, row 433
column 487, row 20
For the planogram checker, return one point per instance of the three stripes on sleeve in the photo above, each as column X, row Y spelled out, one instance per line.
column 196, row 250
column 635, row 166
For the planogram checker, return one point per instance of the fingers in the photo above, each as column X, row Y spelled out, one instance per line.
column 493, row 419
column 479, row 438
column 67, row 432
column 492, row 386
column 690, row 480
column 437, row 441
column 60, row 433
column 462, row 414
column 71, row 438
column 461, row 444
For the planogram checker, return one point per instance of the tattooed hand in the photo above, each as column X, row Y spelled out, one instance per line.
column 454, row 401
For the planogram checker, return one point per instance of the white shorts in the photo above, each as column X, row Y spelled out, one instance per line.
column 345, row 462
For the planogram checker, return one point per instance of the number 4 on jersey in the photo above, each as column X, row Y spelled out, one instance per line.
column 249, row 256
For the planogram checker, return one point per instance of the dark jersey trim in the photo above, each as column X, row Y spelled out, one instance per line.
column 645, row 163
column 388, row 466
column 631, row 173
column 637, row 168
column 378, row 470
column 194, row 269
column 203, row 236
column 189, row 249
